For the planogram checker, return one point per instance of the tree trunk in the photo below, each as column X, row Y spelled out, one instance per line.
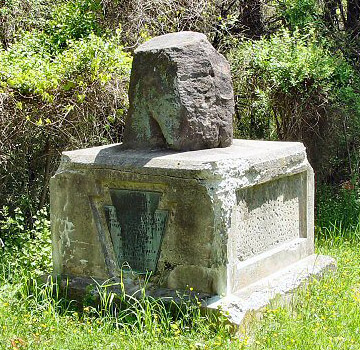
column 352, row 24
column 251, row 18
column 330, row 7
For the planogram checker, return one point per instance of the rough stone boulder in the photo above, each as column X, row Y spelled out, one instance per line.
column 181, row 95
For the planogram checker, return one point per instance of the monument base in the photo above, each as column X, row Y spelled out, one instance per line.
column 219, row 221
column 245, row 304
column 240, row 307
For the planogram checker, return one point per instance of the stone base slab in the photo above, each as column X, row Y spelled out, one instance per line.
column 245, row 303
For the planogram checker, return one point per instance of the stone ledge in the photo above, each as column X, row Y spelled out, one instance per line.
column 257, row 160
column 247, row 302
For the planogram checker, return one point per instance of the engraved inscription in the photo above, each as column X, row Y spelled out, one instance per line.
column 136, row 227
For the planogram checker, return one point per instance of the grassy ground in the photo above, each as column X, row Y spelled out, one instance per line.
column 324, row 315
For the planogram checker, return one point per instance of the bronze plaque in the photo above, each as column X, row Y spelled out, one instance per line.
column 136, row 226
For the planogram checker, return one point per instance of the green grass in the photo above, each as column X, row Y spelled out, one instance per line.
column 33, row 316
column 325, row 314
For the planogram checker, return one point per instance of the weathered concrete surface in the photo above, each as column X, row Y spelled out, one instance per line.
column 211, row 197
column 181, row 95
column 241, row 306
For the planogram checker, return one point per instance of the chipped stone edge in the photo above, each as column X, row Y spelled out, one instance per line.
column 276, row 159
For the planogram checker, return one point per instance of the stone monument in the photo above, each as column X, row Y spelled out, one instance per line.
column 182, row 202
column 180, row 94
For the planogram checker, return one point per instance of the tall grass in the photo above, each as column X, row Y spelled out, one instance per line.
column 322, row 315
column 34, row 315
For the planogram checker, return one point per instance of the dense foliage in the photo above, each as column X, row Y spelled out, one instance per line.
column 291, row 86
column 28, row 249
column 63, row 85
column 64, row 71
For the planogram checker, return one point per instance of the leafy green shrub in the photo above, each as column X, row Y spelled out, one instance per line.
column 291, row 87
column 17, row 16
column 338, row 206
column 27, row 249
column 57, row 94
column 28, row 68
column 73, row 20
column 298, row 13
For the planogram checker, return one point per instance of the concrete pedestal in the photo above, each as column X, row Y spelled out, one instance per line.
column 217, row 220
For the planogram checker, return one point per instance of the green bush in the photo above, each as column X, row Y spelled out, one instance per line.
column 28, row 68
column 73, row 20
column 22, row 248
column 57, row 94
column 17, row 16
column 299, row 13
column 338, row 206
column 290, row 86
